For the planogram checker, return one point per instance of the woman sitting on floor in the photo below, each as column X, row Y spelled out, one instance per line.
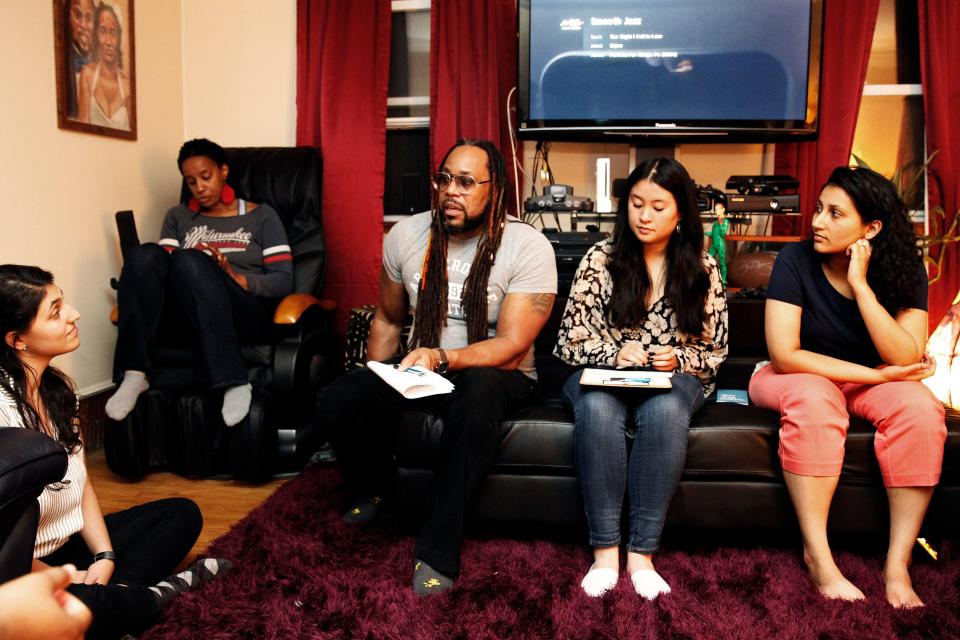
column 648, row 296
column 122, row 557
column 846, row 327
column 219, row 263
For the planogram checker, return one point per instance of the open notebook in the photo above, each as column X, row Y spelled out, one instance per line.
column 627, row 378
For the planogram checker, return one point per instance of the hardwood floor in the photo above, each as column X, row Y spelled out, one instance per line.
column 222, row 502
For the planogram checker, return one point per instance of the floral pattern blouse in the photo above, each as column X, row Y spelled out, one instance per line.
column 588, row 338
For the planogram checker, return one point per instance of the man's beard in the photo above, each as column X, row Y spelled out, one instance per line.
column 469, row 225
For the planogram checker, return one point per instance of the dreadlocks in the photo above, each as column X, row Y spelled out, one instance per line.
column 431, row 314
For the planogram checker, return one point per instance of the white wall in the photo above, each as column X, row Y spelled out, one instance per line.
column 60, row 188
column 223, row 69
column 240, row 71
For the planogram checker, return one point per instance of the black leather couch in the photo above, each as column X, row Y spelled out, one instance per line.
column 732, row 477
column 30, row 461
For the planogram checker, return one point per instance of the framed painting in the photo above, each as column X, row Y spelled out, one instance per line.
column 96, row 67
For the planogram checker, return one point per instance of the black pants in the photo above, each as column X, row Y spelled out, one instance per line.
column 360, row 412
column 150, row 540
column 172, row 293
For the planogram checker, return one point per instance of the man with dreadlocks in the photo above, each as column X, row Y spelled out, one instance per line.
column 480, row 286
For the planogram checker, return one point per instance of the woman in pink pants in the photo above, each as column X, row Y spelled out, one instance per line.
column 846, row 325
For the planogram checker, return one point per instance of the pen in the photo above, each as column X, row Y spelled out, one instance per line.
column 634, row 380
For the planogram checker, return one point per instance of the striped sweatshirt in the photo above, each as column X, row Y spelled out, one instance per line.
column 60, row 503
column 254, row 242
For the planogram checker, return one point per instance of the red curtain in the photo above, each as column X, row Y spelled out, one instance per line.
column 473, row 66
column 847, row 36
column 940, row 74
column 343, row 66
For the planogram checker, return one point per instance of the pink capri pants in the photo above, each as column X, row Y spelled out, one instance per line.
column 815, row 415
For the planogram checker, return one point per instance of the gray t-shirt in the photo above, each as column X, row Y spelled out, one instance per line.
column 254, row 242
column 525, row 264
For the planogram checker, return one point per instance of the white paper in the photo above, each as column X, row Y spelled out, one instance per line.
column 413, row 382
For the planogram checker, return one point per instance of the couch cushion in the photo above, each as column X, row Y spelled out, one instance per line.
column 537, row 439
column 727, row 442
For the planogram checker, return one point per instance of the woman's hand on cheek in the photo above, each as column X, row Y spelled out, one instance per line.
column 859, row 253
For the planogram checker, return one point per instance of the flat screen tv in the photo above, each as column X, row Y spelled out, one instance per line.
column 700, row 69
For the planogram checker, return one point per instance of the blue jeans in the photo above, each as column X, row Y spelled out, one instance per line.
column 657, row 422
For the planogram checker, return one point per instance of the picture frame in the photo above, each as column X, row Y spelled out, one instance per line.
column 95, row 62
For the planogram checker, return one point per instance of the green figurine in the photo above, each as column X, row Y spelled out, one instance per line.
column 718, row 235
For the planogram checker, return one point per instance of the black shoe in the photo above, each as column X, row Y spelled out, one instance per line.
column 363, row 511
column 428, row 581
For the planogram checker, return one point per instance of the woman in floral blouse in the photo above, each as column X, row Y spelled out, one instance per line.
column 648, row 296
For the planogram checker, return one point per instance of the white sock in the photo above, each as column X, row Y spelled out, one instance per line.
column 236, row 403
column 598, row 581
column 124, row 399
column 649, row 584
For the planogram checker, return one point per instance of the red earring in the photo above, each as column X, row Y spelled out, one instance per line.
column 194, row 205
column 228, row 195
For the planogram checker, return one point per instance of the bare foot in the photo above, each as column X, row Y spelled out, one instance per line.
column 637, row 561
column 830, row 582
column 900, row 593
column 606, row 558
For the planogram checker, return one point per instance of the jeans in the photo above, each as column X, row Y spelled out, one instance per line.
column 150, row 540
column 360, row 413
column 657, row 421
column 160, row 293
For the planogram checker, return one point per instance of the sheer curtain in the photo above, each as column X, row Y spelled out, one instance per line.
column 343, row 65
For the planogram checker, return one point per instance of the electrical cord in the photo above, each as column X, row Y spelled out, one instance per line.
column 517, row 163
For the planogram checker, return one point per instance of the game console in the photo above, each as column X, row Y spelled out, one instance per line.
column 762, row 204
column 762, row 185
column 557, row 198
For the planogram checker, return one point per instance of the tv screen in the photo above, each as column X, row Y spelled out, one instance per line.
column 693, row 68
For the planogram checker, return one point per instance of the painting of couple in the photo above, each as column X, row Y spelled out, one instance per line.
column 96, row 88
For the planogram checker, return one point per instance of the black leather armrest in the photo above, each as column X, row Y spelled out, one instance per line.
column 29, row 461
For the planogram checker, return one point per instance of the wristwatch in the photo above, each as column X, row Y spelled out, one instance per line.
column 442, row 365
column 105, row 555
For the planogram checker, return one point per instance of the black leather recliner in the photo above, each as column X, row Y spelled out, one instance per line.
column 29, row 461
column 177, row 424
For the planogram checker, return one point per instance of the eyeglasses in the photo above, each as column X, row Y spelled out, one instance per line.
column 465, row 184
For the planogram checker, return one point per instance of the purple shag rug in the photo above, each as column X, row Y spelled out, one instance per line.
column 301, row 573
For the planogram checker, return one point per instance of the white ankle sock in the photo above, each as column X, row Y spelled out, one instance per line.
column 124, row 399
column 236, row 403
column 598, row 581
column 648, row 583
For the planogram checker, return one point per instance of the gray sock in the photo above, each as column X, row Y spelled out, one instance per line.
column 200, row 572
column 124, row 399
column 363, row 511
column 428, row 581
column 236, row 403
